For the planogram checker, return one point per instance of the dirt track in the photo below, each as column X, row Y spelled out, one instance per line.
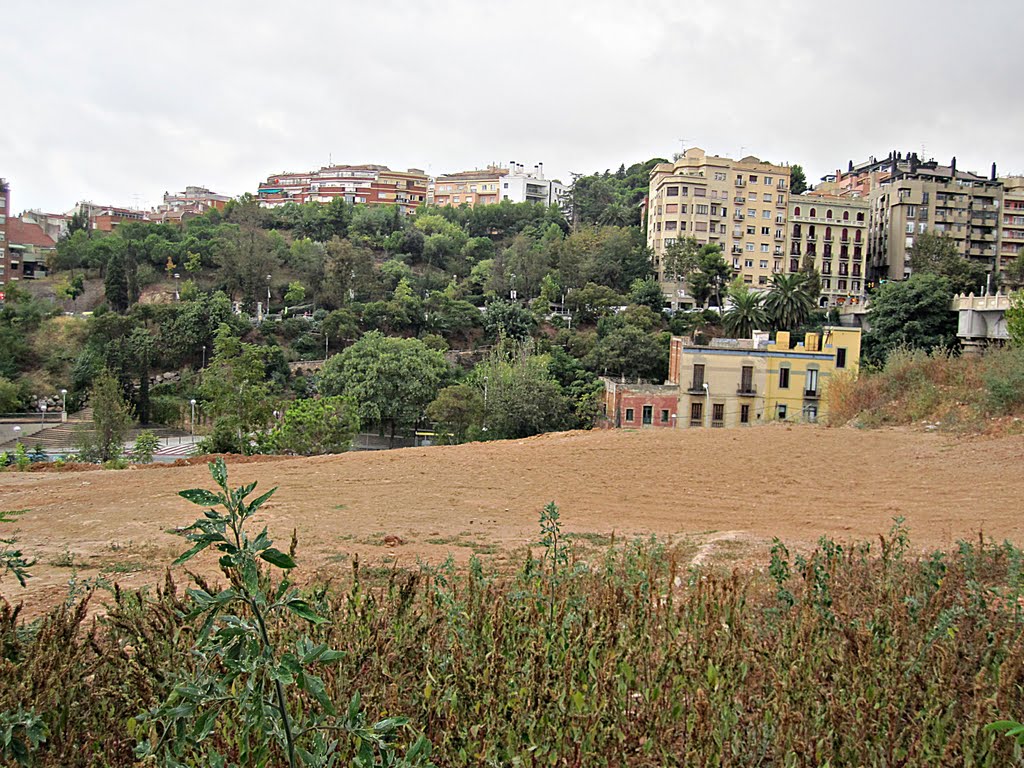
column 724, row 493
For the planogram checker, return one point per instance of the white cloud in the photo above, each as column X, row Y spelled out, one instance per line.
column 109, row 101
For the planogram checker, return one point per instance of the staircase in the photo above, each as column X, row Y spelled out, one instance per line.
column 62, row 438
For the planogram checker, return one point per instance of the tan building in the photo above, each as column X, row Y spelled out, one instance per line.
column 832, row 232
column 1011, row 238
column 739, row 382
column 481, row 187
column 740, row 205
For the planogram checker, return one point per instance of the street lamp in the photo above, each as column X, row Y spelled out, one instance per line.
column 177, row 286
column 268, row 293
column 42, row 412
column 192, row 422
column 204, row 355
column 63, row 405
column 17, row 435
column 707, row 404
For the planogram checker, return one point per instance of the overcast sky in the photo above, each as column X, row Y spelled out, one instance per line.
column 117, row 102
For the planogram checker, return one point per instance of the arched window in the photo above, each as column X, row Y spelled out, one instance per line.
column 846, row 234
column 797, row 211
column 860, row 216
column 829, row 214
column 814, row 212
column 828, row 233
column 856, row 237
column 846, row 215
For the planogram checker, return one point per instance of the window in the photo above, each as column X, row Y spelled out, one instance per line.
column 752, row 212
column 702, row 209
column 664, row 415
column 811, row 383
column 698, row 376
column 763, row 264
column 670, row 226
column 780, row 200
column 762, row 280
column 767, row 197
column 717, row 414
column 719, row 176
column 749, row 246
column 700, row 192
column 700, row 226
column 814, row 213
column 767, row 181
column 648, row 414
column 812, row 414
column 748, row 263
column 765, row 247
column 672, row 208
column 783, row 378
column 766, row 230
column 841, row 357
column 696, row 414
column 846, row 215
column 766, row 214
column 796, row 212
column 747, row 379
column 670, row 191
column 781, row 411
column 744, row 414
column 751, row 230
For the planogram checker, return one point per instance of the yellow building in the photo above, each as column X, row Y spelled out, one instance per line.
column 468, row 188
column 740, row 205
column 739, row 382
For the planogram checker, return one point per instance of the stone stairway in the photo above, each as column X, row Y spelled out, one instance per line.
column 62, row 438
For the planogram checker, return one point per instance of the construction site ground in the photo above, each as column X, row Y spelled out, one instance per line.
column 720, row 496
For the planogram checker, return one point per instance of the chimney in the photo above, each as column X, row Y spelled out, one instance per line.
column 952, row 168
column 541, row 170
column 913, row 162
column 850, row 167
column 993, row 171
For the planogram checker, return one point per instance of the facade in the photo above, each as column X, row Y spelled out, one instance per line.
column 481, row 187
column 29, row 248
column 496, row 183
column 55, row 225
column 739, row 382
column 640, row 406
column 832, row 232
column 5, row 215
column 741, row 205
column 356, row 184
column 105, row 218
column 1011, row 237
column 193, row 202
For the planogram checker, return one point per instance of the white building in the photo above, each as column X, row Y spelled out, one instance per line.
column 529, row 186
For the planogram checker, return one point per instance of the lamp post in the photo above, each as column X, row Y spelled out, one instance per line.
column 42, row 413
column 204, row 355
column 63, row 405
column 192, row 421
column 707, row 404
column 268, row 293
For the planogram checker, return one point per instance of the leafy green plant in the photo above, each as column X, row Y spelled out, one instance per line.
column 12, row 560
column 279, row 705
column 21, row 457
column 146, row 444
column 21, row 732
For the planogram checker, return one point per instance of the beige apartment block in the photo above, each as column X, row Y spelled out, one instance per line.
column 482, row 187
column 1011, row 238
column 831, row 232
column 741, row 205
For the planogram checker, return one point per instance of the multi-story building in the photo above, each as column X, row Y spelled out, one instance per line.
column 479, row 187
column 30, row 249
column 495, row 183
column 1011, row 238
column 831, row 232
column 55, row 225
column 356, row 184
column 741, row 205
column 193, row 202
column 5, row 213
column 738, row 382
column 105, row 218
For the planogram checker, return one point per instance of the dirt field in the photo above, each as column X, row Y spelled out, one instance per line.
column 722, row 494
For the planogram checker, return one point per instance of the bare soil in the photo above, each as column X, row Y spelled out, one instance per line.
column 721, row 495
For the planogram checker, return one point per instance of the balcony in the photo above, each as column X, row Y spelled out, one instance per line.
column 779, row 236
column 740, row 183
column 811, row 394
column 746, row 390
column 738, row 216
column 812, row 238
column 781, row 203
column 737, row 249
column 696, row 388
column 739, row 199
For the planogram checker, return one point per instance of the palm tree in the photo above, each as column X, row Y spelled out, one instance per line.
column 746, row 314
column 789, row 303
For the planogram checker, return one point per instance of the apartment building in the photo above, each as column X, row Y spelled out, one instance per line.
column 1011, row 237
column 5, row 214
column 193, row 202
column 832, row 232
column 472, row 188
column 55, row 225
column 739, row 382
column 740, row 205
column 495, row 183
column 106, row 218
column 29, row 249
column 356, row 184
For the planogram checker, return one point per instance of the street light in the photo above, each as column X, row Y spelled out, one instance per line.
column 268, row 293
column 707, row 403
column 42, row 413
column 63, row 405
column 192, row 422
column 177, row 286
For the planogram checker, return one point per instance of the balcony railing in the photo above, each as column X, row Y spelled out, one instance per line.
column 811, row 394
column 738, row 216
column 746, row 390
column 696, row 388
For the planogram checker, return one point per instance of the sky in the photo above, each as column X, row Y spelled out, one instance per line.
column 118, row 102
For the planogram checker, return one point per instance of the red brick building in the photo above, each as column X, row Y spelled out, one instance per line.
column 29, row 249
column 640, row 405
column 356, row 184
column 5, row 214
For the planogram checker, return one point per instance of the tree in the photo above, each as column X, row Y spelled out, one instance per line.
column 104, row 440
column 71, row 287
column 508, row 319
column 936, row 254
column 647, row 293
column 592, row 301
column 788, row 303
column 521, row 397
column 632, row 353
column 392, row 380
column 115, row 283
column 797, row 180
column 456, row 410
column 746, row 314
column 913, row 313
column 10, row 396
column 295, row 293
column 312, row 427
column 1015, row 319
column 235, row 392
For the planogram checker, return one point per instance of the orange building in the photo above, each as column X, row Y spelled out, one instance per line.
column 356, row 184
